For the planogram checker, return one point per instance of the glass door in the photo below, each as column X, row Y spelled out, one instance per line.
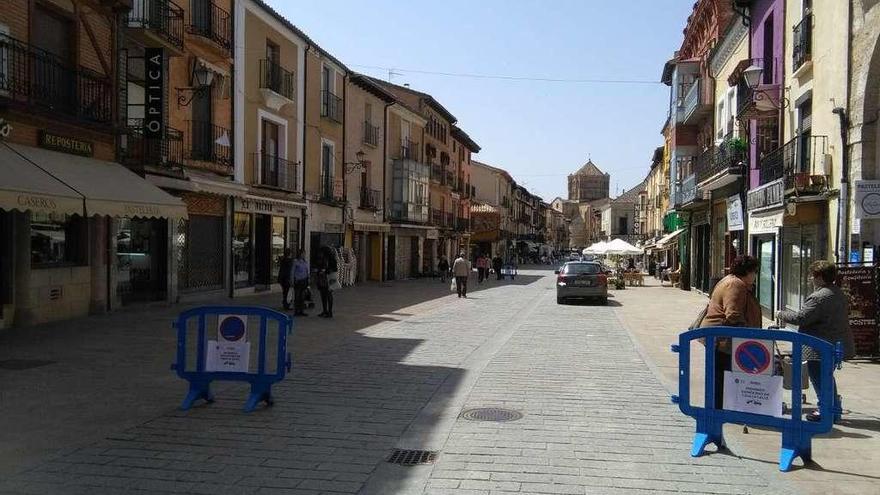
column 766, row 249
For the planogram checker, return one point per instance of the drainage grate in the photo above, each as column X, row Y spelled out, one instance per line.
column 491, row 414
column 412, row 457
column 23, row 364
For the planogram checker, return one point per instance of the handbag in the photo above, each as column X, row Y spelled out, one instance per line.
column 698, row 321
column 333, row 281
column 452, row 287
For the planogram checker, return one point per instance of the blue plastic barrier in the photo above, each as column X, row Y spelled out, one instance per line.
column 797, row 434
column 261, row 381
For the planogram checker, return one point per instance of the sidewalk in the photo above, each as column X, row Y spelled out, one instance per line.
column 845, row 461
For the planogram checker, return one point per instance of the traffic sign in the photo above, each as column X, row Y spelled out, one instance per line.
column 232, row 328
column 753, row 357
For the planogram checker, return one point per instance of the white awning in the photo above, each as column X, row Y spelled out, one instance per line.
column 24, row 186
column 668, row 239
column 109, row 188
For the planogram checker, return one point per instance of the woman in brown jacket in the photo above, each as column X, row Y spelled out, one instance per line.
column 732, row 305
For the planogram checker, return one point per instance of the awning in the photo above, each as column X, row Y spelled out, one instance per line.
column 668, row 238
column 109, row 188
column 25, row 187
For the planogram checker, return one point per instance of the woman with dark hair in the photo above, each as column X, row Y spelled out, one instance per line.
column 824, row 314
column 326, row 267
column 732, row 305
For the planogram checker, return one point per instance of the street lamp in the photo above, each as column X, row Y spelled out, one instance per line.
column 203, row 79
column 752, row 76
column 357, row 165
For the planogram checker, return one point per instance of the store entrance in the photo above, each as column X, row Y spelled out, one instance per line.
column 765, row 250
column 262, row 251
column 141, row 260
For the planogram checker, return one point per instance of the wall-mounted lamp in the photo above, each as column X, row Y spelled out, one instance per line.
column 203, row 80
column 358, row 165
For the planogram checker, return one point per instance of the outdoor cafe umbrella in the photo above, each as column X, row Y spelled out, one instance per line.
column 622, row 248
column 597, row 248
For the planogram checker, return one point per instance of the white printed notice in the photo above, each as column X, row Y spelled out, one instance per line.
column 228, row 356
column 756, row 394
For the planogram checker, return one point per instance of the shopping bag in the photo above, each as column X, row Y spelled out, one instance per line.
column 333, row 281
column 452, row 287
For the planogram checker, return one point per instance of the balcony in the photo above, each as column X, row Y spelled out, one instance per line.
column 157, row 24
column 462, row 224
column 331, row 106
column 210, row 143
column 688, row 190
column 762, row 101
column 331, row 189
column 450, row 178
column 802, row 49
column 723, row 164
column 40, row 81
column 801, row 162
column 697, row 103
column 371, row 199
column 371, row 134
column 409, row 150
column 409, row 212
column 436, row 174
column 210, row 22
column 437, row 217
column 139, row 151
column 277, row 84
column 276, row 172
column 449, row 221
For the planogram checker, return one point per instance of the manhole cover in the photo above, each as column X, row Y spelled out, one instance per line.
column 491, row 414
column 23, row 364
column 412, row 457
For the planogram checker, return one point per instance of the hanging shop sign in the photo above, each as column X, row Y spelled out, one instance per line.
column 66, row 144
column 734, row 214
column 867, row 199
column 154, row 93
column 859, row 283
column 766, row 196
column 765, row 224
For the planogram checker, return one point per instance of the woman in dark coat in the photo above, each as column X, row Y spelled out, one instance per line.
column 824, row 314
column 326, row 266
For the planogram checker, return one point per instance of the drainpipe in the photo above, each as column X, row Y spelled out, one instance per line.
column 307, row 211
column 842, row 242
column 382, row 275
column 344, row 178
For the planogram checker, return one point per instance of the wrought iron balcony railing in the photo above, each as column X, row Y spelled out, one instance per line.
column 273, row 171
column 798, row 162
column 36, row 79
column 409, row 212
column 409, row 150
column 209, row 143
column 209, row 21
column 802, row 50
column 728, row 157
column 331, row 188
column 370, row 198
column 437, row 217
column 331, row 106
column 163, row 17
column 137, row 150
column 752, row 102
column 371, row 134
column 278, row 79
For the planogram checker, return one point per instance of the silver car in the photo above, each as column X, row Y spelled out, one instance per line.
column 581, row 279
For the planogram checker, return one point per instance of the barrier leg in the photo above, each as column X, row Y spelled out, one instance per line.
column 708, row 431
column 260, row 392
column 198, row 389
column 794, row 444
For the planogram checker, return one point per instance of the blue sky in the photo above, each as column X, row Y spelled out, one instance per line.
column 537, row 130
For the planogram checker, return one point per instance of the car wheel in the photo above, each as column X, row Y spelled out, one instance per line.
column 560, row 300
column 603, row 301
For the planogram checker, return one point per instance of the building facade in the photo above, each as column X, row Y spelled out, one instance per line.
column 588, row 183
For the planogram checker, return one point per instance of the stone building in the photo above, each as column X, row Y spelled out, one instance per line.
column 588, row 183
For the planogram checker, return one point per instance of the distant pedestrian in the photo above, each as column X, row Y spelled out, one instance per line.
column 443, row 268
column 461, row 269
column 327, row 270
column 497, row 263
column 482, row 268
column 824, row 314
column 300, row 276
column 285, row 270
column 732, row 305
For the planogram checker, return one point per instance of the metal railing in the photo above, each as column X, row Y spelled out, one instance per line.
column 726, row 157
column 437, row 217
column 802, row 49
column 745, row 95
column 405, row 211
column 209, row 143
column 278, row 79
column 796, row 158
column 688, row 190
column 162, row 16
column 273, row 171
column 36, row 78
column 370, row 198
column 331, row 106
column 139, row 151
column 449, row 220
column 409, row 150
column 208, row 20
column 436, row 173
column 331, row 188
column 692, row 99
column 371, row 134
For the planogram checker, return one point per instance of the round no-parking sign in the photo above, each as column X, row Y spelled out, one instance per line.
column 754, row 357
column 232, row 328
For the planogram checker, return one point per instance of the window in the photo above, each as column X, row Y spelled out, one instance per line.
column 769, row 65
column 57, row 239
column 273, row 53
column 368, row 113
column 327, row 170
column 241, row 249
column 326, row 79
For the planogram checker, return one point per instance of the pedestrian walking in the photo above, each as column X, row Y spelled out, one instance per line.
column 461, row 269
column 823, row 314
column 732, row 305
column 443, row 268
column 327, row 270
column 482, row 268
column 300, row 276
column 285, row 270
column 497, row 263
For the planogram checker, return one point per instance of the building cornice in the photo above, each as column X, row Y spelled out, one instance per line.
column 722, row 52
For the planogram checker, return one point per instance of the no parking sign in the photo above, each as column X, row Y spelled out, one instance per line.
column 231, row 351
column 752, row 357
column 750, row 385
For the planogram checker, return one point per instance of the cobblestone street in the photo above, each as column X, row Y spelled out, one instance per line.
column 396, row 369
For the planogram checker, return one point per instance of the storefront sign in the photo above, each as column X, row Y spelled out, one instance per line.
column 66, row 144
column 734, row 214
column 154, row 93
column 254, row 206
column 764, row 224
column 765, row 196
column 30, row 202
column 867, row 199
column 859, row 283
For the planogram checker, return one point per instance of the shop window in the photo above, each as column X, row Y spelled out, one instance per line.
column 278, row 244
column 241, row 249
column 57, row 239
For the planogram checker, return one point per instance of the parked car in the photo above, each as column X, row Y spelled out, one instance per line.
column 581, row 279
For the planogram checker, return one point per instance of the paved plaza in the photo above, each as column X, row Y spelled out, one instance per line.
column 394, row 369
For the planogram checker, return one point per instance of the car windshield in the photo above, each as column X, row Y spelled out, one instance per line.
column 581, row 268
